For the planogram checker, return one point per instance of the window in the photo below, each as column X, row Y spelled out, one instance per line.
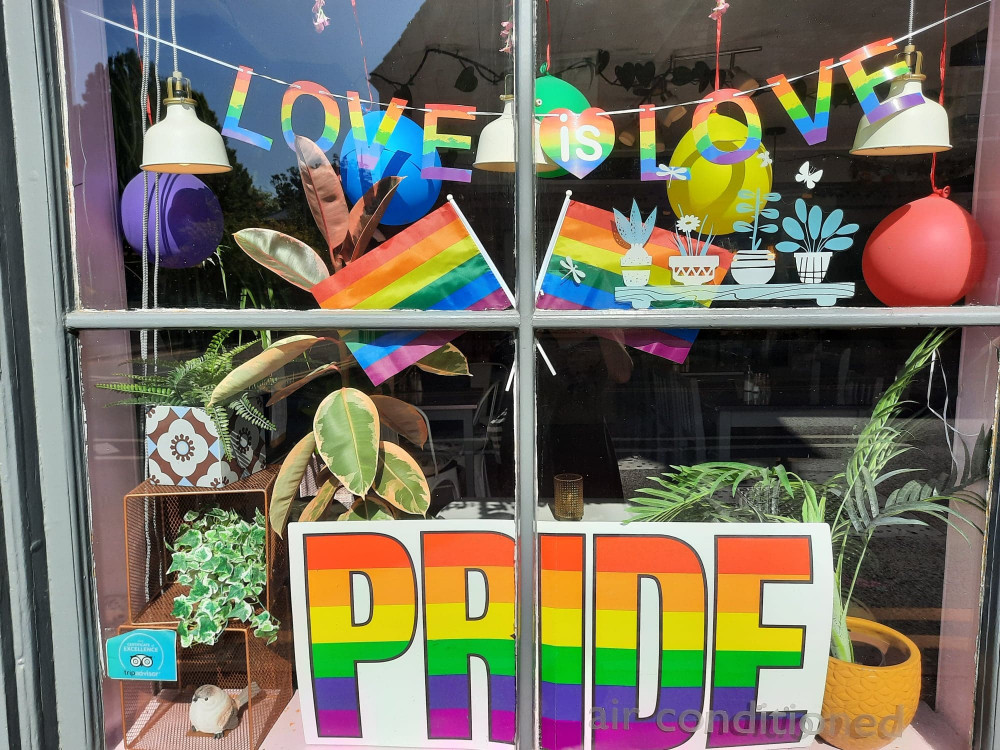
column 508, row 281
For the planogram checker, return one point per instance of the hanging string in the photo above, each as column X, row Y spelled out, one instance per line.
column 945, row 191
column 143, row 102
column 138, row 47
column 361, row 41
column 548, row 38
column 721, row 6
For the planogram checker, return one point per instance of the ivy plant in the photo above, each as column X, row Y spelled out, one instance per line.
column 221, row 557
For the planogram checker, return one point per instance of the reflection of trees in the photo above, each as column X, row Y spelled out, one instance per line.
column 230, row 278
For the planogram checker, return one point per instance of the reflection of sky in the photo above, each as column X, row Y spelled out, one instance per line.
column 272, row 37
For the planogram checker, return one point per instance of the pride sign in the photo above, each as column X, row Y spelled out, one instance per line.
column 650, row 636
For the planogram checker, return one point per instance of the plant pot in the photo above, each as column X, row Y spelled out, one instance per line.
column 866, row 707
column 636, row 266
column 753, row 266
column 693, row 270
column 183, row 448
column 812, row 267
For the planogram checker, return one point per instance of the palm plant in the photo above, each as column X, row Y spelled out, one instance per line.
column 854, row 503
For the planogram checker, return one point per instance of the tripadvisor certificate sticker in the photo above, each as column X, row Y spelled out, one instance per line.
column 143, row 655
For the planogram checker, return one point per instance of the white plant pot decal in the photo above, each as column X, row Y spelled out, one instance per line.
column 693, row 270
column 753, row 267
column 183, row 448
column 812, row 267
column 636, row 266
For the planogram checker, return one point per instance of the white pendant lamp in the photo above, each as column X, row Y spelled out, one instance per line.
column 495, row 152
column 922, row 129
column 181, row 143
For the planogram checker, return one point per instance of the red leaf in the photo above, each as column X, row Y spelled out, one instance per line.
column 325, row 194
column 366, row 215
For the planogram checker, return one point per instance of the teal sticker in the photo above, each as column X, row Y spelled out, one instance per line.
column 143, row 655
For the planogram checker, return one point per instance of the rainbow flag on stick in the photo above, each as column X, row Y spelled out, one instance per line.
column 437, row 263
column 582, row 268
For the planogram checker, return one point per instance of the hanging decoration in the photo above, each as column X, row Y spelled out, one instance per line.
column 713, row 189
column 930, row 251
column 400, row 154
column 578, row 142
column 190, row 219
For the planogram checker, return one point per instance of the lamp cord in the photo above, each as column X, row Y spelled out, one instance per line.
column 173, row 28
column 144, row 102
column 945, row 191
column 156, row 184
column 909, row 35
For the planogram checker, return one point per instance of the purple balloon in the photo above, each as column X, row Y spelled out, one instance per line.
column 190, row 219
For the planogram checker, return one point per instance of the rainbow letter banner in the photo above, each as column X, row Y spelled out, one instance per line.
column 651, row 636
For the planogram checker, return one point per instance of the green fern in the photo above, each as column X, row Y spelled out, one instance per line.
column 191, row 382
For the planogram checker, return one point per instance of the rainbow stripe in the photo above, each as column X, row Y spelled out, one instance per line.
column 585, row 236
column 331, row 113
column 812, row 129
column 231, row 125
column 742, row 645
column 434, row 264
column 647, row 144
column 561, row 588
column 434, row 140
column 703, row 138
column 337, row 644
column 452, row 639
column 864, row 83
column 621, row 561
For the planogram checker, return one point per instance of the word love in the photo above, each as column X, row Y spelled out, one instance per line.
column 405, row 633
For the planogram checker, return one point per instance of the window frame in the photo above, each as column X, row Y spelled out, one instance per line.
column 42, row 321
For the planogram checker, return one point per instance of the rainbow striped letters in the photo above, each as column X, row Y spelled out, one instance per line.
column 231, row 126
column 433, row 140
column 703, row 139
column 812, row 129
column 331, row 113
column 864, row 83
column 650, row 636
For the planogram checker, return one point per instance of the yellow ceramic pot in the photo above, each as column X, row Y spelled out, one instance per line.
column 865, row 708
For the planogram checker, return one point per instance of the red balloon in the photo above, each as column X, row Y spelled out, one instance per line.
column 928, row 252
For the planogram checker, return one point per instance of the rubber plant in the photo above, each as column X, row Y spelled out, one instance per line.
column 855, row 502
column 349, row 233
column 373, row 479
column 213, row 381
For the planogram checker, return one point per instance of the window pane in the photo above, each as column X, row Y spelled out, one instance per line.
column 448, row 441
column 787, row 213
column 892, row 418
column 264, row 77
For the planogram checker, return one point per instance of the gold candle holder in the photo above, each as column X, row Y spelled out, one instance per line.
column 568, row 497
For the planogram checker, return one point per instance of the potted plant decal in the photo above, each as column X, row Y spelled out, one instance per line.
column 855, row 504
column 220, row 556
column 819, row 238
column 694, row 266
column 204, row 425
column 755, row 266
column 636, row 263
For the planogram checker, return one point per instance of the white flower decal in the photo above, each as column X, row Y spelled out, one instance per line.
column 182, row 447
column 688, row 223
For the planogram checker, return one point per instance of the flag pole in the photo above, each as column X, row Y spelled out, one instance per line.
column 552, row 242
column 496, row 271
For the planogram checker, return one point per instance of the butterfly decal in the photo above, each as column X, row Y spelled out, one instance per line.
column 573, row 271
column 673, row 173
column 809, row 176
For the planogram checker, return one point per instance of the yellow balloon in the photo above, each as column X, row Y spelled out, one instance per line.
column 710, row 193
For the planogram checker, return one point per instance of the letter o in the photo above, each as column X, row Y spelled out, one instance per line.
column 703, row 139
column 331, row 113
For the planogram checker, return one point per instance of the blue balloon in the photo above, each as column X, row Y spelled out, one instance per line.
column 403, row 155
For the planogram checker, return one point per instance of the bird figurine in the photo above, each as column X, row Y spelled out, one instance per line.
column 214, row 711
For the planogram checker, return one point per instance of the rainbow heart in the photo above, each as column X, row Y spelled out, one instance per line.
column 579, row 142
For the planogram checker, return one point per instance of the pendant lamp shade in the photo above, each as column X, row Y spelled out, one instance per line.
column 495, row 152
column 922, row 129
column 181, row 143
